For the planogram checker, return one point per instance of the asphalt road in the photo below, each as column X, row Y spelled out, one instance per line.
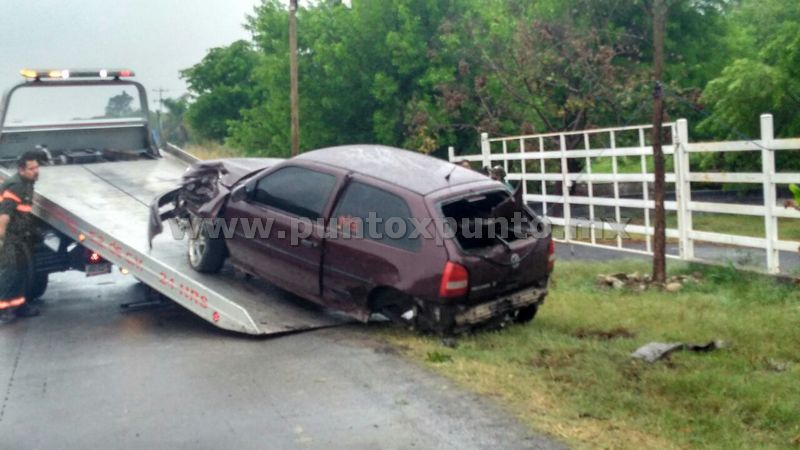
column 87, row 375
column 747, row 258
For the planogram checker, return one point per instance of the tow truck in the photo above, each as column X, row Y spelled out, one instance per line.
column 93, row 200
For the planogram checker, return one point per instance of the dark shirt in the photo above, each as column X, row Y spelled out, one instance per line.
column 16, row 200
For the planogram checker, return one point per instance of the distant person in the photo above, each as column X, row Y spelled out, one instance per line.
column 465, row 164
column 16, row 237
column 499, row 174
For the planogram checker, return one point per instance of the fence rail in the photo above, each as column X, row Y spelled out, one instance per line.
column 545, row 165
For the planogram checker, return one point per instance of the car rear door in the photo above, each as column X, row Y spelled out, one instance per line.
column 370, row 243
column 279, row 231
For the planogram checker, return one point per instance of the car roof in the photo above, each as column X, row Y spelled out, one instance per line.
column 412, row 170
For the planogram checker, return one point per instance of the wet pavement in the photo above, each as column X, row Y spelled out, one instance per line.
column 86, row 374
column 745, row 258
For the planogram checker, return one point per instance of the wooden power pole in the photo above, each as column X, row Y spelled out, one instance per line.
column 659, row 235
column 295, row 96
column 160, row 92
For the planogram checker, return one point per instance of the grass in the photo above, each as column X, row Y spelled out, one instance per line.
column 563, row 376
column 211, row 150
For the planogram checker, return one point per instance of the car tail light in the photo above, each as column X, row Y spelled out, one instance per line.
column 551, row 255
column 455, row 280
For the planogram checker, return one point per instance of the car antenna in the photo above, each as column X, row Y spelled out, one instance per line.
column 447, row 177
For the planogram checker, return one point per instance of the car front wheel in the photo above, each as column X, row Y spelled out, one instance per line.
column 206, row 254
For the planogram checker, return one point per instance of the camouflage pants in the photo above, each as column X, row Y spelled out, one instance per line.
column 13, row 274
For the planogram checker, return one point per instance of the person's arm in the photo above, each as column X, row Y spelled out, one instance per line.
column 4, row 218
column 7, row 206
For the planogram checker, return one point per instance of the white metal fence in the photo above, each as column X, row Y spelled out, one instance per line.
column 613, row 187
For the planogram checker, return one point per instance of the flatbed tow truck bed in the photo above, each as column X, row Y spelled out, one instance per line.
column 105, row 207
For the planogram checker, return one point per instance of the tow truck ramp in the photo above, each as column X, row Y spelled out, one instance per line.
column 105, row 207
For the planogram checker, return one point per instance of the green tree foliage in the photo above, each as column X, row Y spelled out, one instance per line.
column 223, row 85
column 174, row 127
column 120, row 106
column 763, row 76
column 425, row 74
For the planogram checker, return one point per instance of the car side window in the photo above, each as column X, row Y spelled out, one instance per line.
column 392, row 217
column 295, row 190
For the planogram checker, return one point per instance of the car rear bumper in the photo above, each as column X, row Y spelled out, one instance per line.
column 457, row 317
column 504, row 305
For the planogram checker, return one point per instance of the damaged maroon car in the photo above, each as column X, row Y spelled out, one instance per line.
column 369, row 229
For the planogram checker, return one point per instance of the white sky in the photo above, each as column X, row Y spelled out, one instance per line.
column 155, row 38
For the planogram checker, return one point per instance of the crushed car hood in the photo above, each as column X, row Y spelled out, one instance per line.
column 234, row 169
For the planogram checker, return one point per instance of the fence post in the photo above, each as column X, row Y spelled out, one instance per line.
column 770, row 194
column 451, row 153
column 486, row 150
column 565, row 185
column 683, row 190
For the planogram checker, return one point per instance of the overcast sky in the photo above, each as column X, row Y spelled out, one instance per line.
column 155, row 38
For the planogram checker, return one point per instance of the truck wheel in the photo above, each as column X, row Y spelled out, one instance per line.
column 206, row 254
column 36, row 286
column 35, row 281
column 526, row 313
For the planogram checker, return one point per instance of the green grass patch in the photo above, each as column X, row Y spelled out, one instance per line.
column 569, row 372
column 211, row 150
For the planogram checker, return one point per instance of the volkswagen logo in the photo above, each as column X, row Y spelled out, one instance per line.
column 514, row 260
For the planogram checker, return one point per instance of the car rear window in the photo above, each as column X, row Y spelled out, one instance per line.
column 487, row 219
column 392, row 217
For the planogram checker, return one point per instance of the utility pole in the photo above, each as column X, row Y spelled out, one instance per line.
column 160, row 92
column 295, row 96
column 659, row 234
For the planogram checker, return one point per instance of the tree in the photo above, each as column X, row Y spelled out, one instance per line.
column 174, row 126
column 763, row 77
column 120, row 106
column 425, row 74
column 223, row 86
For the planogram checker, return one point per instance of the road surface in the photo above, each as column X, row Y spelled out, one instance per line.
column 87, row 375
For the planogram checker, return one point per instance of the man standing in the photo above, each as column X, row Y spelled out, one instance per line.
column 16, row 237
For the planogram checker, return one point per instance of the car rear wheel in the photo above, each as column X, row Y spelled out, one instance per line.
column 206, row 254
column 526, row 313
column 395, row 306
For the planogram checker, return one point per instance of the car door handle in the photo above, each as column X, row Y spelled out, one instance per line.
column 308, row 243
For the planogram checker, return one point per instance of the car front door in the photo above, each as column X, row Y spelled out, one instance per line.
column 279, row 231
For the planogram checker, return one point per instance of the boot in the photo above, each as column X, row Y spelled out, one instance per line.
column 27, row 310
column 6, row 316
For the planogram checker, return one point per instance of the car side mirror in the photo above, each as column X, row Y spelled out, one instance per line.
column 240, row 193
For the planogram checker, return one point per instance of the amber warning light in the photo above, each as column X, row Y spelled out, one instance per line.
column 65, row 74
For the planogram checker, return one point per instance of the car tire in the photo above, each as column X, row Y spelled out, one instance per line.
column 392, row 304
column 526, row 313
column 206, row 254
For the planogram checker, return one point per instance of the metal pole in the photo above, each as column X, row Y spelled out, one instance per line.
column 295, row 96
column 160, row 92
